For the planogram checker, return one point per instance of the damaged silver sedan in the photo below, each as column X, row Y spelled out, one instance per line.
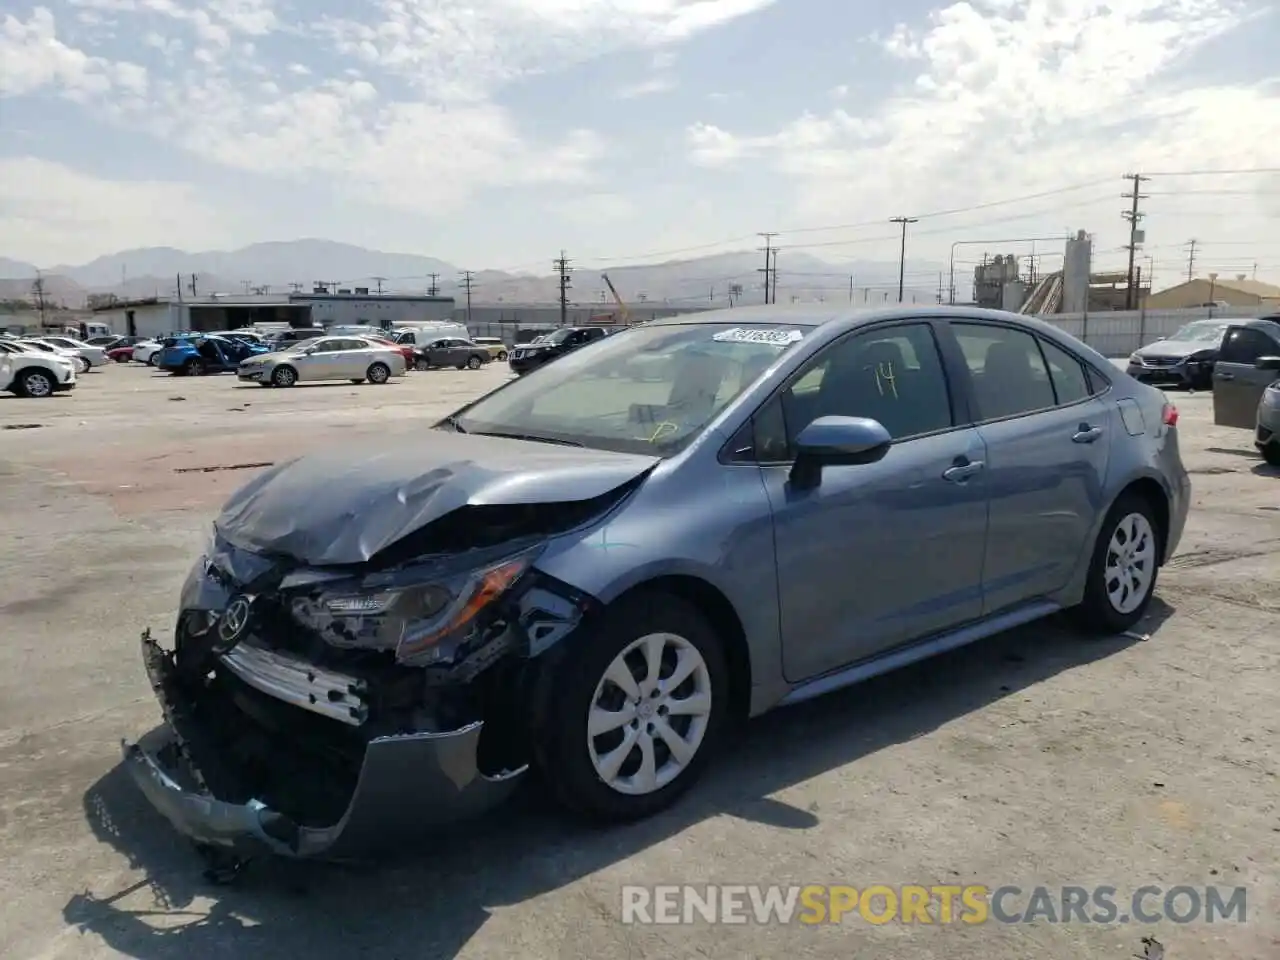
column 592, row 569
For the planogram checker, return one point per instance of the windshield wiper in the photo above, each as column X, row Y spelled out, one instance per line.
column 455, row 423
column 528, row 436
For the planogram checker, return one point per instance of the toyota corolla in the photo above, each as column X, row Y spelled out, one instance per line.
column 594, row 569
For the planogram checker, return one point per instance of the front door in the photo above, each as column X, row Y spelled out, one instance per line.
column 1237, row 383
column 1047, row 439
column 880, row 554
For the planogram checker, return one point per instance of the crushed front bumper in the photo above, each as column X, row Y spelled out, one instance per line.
column 407, row 785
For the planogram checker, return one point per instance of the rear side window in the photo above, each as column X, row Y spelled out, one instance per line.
column 1007, row 369
column 1070, row 381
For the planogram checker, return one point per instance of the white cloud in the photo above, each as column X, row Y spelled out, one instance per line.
column 32, row 57
column 1014, row 98
column 50, row 213
column 402, row 110
column 645, row 88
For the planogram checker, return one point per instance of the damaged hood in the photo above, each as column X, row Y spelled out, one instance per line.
column 1176, row 349
column 343, row 506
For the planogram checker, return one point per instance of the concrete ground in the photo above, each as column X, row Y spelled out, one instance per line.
column 1035, row 758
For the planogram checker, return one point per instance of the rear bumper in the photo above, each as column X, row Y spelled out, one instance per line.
column 408, row 784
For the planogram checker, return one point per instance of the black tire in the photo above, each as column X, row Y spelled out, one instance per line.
column 1096, row 613
column 1271, row 453
column 357, row 379
column 378, row 373
column 193, row 367
column 421, row 364
column 567, row 688
column 153, row 358
column 474, row 362
column 502, row 356
column 35, row 383
column 284, row 376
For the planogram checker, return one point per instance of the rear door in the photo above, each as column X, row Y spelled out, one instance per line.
column 1237, row 383
column 1046, row 435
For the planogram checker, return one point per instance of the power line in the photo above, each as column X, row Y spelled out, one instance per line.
column 468, row 281
column 562, row 267
column 902, row 254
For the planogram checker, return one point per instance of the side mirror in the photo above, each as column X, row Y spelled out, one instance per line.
column 837, row 441
column 1267, row 363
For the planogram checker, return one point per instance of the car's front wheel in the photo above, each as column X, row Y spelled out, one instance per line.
column 378, row 373
column 474, row 362
column 633, row 710
column 1123, row 569
column 284, row 376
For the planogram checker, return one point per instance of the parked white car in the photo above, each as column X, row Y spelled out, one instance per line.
column 147, row 351
column 325, row 358
column 96, row 356
column 34, row 373
column 79, row 362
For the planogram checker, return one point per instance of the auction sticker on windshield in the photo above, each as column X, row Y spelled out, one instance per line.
column 771, row 337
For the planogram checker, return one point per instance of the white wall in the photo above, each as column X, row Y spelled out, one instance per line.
column 1117, row 333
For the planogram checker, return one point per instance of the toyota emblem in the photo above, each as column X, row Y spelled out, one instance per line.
column 234, row 622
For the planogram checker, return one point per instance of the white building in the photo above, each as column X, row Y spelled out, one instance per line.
column 156, row 316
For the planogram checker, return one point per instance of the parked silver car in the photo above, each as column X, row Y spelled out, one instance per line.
column 325, row 358
column 590, row 572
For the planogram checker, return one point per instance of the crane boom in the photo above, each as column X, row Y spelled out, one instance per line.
column 622, row 307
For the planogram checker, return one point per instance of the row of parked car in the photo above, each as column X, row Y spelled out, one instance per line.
column 303, row 354
column 45, row 365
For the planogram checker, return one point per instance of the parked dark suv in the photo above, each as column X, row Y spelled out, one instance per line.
column 530, row 356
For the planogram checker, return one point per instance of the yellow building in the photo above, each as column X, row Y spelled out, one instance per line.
column 1237, row 291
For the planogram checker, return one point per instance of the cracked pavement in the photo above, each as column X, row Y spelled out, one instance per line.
column 1035, row 757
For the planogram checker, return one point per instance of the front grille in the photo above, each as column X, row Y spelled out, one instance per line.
column 1161, row 361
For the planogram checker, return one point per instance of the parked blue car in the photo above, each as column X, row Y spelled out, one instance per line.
column 593, row 569
column 206, row 354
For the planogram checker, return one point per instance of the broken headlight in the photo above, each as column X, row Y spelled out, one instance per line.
column 423, row 621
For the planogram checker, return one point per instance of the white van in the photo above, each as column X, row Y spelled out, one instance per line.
column 421, row 334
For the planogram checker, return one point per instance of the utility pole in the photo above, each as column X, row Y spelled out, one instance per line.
column 434, row 289
column 468, row 281
column 193, row 285
column 247, row 284
column 563, row 269
column 851, row 288
column 179, row 287
column 902, row 253
column 939, row 287
column 1135, row 235
column 37, row 292
column 1191, row 259
column 379, row 281
column 770, row 267
column 295, row 287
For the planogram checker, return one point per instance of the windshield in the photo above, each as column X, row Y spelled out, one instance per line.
column 558, row 337
column 646, row 390
column 1201, row 330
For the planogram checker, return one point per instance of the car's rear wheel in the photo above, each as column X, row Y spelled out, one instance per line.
column 34, row 383
column 502, row 356
column 1271, row 454
column 1123, row 569
column 473, row 363
column 193, row 367
column 284, row 376
column 421, row 363
column 632, row 712
column 378, row 373
column 151, row 359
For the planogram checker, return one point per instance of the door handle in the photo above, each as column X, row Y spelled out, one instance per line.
column 1226, row 376
column 1086, row 434
column 961, row 472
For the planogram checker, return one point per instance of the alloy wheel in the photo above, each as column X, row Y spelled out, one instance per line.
column 649, row 714
column 1130, row 566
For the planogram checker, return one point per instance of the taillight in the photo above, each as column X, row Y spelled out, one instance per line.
column 1169, row 415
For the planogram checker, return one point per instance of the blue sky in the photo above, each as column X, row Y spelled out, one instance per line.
column 493, row 133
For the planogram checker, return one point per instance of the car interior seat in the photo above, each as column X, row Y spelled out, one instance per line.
column 1007, row 380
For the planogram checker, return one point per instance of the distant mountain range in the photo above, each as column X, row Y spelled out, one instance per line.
column 279, row 267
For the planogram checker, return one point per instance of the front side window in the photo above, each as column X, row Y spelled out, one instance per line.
column 652, row 391
column 891, row 374
column 1006, row 368
column 1245, row 345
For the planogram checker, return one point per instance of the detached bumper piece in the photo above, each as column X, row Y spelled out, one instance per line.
column 407, row 784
